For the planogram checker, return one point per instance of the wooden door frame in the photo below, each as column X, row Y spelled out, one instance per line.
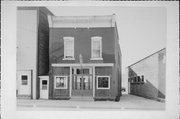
column 19, row 74
column 71, row 76
column 41, row 79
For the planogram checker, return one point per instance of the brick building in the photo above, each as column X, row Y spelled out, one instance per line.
column 84, row 58
column 146, row 77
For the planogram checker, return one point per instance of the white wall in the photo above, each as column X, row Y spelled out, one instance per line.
column 125, row 81
column 27, row 42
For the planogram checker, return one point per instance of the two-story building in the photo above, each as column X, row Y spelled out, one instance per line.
column 66, row 57
column 84, row 58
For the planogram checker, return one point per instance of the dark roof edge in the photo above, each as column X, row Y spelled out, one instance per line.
column 34, row 8
column 146, row 57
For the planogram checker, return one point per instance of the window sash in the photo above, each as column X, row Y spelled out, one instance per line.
column 68, row 47
column 96, row 47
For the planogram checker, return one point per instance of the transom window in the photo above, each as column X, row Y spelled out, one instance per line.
column 103, row 82
column 82, row 71
column 24, row 79
column 96, row 48
column 68, row 48
column 60, row 82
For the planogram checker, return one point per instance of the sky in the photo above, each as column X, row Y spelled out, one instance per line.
column 142, row 30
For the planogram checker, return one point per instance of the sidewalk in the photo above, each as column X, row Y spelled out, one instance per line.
column 127, row 102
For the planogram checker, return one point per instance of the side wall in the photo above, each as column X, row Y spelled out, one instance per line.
column 43, row 45
column 27, row 43
column 153, row 71
column 118, row 61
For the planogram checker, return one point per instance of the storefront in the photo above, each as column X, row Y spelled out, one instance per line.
column 94, row 81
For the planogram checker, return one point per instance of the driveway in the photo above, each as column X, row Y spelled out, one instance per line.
column 127, row 102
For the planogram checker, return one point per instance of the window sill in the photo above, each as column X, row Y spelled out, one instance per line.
column 68, row 59
column 96, row 59
column 60, row 88
column 103, row 88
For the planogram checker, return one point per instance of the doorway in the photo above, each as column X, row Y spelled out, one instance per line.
column 82, row 82
column 44, row 87
column 24, row 82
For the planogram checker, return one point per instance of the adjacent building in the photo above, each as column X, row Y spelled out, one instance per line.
column 32, row 49
column 147, row 77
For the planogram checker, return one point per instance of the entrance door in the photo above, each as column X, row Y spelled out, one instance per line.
column 24, row 82
column 82, row 84
column 44, row 86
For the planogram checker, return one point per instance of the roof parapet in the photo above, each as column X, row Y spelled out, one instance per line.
column 81, row 21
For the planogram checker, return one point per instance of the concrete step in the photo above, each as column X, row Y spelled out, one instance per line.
column 81, row 98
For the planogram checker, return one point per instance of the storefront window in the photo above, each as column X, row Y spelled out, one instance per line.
column 103, row 82
column 60, row 82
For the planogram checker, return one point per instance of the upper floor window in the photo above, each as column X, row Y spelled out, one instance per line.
column 96, row 48
column 68, row 48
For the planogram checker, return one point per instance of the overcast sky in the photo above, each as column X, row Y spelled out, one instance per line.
column 142, row 30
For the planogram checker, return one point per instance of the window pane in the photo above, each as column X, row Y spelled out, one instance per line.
column 69, row 53
column 24, row 79
column 139, row 79
column 85, row 71
column 96, row 44
column 44, row 82
column 96, row 53
column 78, row 81
column 103, row 82
column 82, row 71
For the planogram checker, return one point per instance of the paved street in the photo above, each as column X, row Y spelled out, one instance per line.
column 127, row 102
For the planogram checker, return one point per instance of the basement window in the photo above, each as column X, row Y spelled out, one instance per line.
column 103, row 82
column 60, row 82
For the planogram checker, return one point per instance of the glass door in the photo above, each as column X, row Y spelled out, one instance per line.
column 82, row 82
